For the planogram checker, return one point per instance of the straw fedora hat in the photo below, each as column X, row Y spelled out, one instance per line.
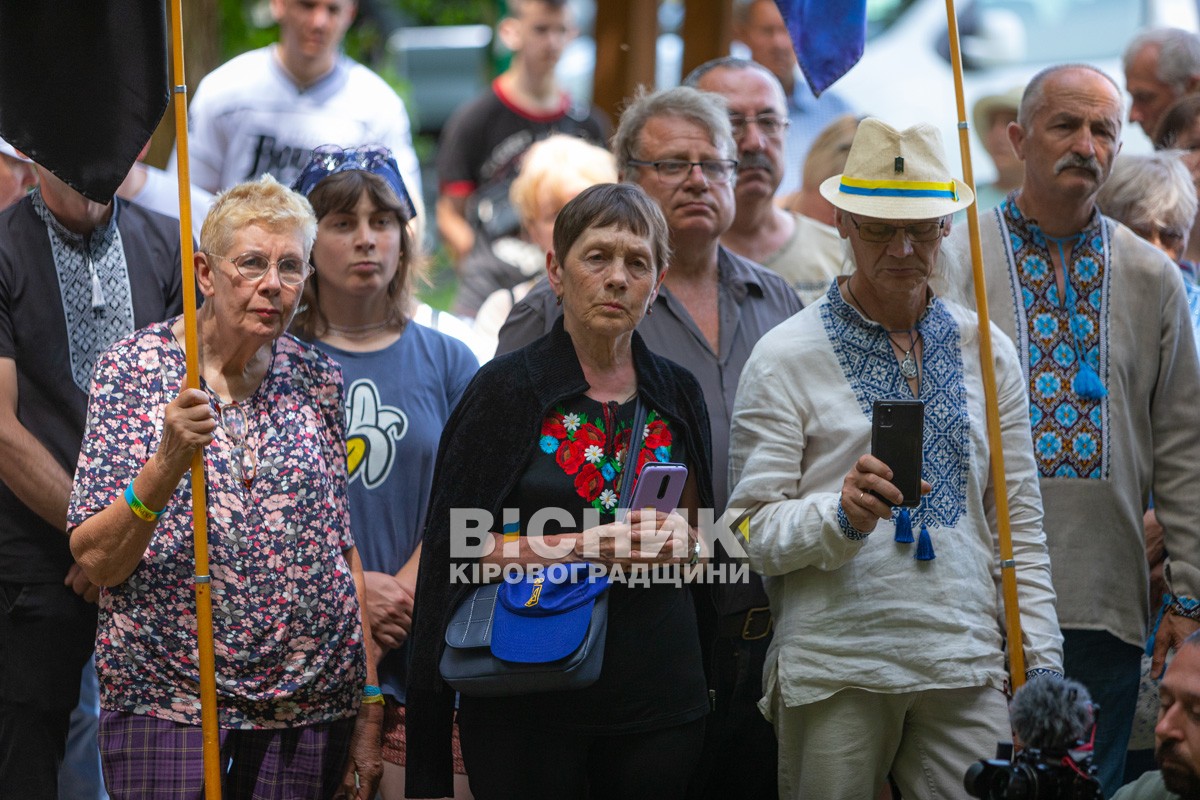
column 893, row 174
column 991, row 103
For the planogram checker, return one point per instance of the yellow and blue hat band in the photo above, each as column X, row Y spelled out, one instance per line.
column 943, row 189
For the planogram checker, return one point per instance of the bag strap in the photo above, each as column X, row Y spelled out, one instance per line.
column 631, row 454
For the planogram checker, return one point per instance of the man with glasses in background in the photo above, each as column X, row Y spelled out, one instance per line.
column 806, row 253
column 760, row 27
column 713, row 306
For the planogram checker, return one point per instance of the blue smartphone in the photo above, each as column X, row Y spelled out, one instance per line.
column 659, row 486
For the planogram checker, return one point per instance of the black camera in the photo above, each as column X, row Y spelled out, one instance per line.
column 1055, row 719
column 1034, row 775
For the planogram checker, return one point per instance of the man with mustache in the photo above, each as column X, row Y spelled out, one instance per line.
column 1177, row 735
column 1100, row 322
column 806, row 253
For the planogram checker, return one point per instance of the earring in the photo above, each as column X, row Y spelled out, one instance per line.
column 558, row 299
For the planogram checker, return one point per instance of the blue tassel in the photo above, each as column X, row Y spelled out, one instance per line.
column 924, row 546
column 1087, row 383
column 903, row 528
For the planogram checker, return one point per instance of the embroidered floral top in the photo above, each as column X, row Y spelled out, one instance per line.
column 652, row 675
column 592, row 449
column 287, row 631
column 1068, row 429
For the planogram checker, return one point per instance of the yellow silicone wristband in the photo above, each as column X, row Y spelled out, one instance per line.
column 375, row 698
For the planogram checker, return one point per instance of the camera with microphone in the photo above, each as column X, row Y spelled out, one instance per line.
column 1054, row 720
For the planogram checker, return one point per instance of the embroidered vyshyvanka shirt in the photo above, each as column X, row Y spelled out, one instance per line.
column 864, row 612
column 1139, row 338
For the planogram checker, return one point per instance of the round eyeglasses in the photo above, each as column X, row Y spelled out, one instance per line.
column 671, row 170
column 254, row 267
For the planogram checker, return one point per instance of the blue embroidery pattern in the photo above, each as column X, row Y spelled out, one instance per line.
column 866, row 358
column 1070, row 437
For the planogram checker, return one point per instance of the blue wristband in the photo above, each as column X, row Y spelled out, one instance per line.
column 138, row 507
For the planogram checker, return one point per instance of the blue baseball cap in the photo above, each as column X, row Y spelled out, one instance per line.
column 545, row 619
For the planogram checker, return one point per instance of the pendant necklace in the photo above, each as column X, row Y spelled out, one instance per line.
column 908, row 364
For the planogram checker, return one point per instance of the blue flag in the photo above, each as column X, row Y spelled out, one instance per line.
column 828, row 36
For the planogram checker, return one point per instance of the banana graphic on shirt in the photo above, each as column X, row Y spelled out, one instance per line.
column 372, row 430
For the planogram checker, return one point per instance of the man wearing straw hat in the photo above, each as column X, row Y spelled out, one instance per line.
column 887, row 656
column 1100, row 321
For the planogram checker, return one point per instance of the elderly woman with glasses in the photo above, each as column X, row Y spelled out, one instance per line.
column 402, row 379
column 298, row 703
column 887, row 656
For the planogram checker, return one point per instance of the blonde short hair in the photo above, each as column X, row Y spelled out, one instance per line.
column 560, row 165
column 829, row 151
column 265, row 202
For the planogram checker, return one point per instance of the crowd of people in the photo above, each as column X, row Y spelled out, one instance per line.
column 734, row 279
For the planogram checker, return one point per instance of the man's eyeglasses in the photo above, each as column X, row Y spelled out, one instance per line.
column 716, row 170
column 254, row 267
column 882, row 233
column 329, row 159
column 243, row 459
column 769, row 123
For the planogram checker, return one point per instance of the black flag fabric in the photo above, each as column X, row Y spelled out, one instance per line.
column 83, row 84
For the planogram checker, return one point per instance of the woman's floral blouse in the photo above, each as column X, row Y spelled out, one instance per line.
column 287, row 630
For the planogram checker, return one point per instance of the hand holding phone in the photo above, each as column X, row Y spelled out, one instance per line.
column 659, row 486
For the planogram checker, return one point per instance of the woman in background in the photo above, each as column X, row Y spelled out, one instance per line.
column 1155, row 197
column 402, row 381
column 553, row 171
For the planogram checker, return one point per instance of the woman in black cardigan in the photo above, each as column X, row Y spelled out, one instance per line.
column 546, row 426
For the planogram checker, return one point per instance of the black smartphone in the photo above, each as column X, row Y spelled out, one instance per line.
column 897, row 436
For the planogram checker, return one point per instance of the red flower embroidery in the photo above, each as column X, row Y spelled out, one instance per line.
column 589, row 434
column 570, row 456
column 589, row 482
column 646, row 456
column 657, row 434
column 552, row 425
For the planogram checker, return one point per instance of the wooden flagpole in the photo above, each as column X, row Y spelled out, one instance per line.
column 1008, row 567
column 204, row 625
